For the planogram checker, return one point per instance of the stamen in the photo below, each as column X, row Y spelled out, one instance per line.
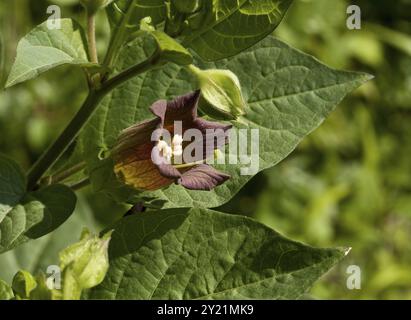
column 188, row 165
column 168, row 153
column 178, row 145
column 161, row 145
column 177, row 140
column 165, row 150
column 178, row 151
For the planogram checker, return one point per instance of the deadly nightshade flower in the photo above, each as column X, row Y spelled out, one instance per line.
column 132, row 153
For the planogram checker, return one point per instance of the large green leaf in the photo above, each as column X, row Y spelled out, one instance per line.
column 43, row 49
column 203, row 254
column 289, row 94
column 231, row 26
column 25, row 216
column 218, row 29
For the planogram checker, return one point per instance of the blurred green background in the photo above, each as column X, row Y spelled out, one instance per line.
column 348, row 184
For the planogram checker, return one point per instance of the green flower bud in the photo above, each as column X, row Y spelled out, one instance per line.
column 93, row 6
column 27, row 287
column 42, row 292
column 221, row 96
column 6, row 293
column 84, row 264
column 23, row 284
column 186, row 6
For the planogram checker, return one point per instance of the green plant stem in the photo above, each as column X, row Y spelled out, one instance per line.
column 63, row 141
column 91, row 35
column 118, row 37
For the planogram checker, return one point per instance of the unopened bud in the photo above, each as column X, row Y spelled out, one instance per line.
column 221, row 96
column 87, row 260
column 23, row 284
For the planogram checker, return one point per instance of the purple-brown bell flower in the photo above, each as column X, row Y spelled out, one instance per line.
column 146, row 160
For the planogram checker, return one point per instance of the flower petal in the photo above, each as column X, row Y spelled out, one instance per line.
column 133, row 151
column 141, row 175
column 159, row 109
column 183, row 108
column 135, row 141
column 204, row 125
column 202, row 177
column 215, row 136
column 168, row 171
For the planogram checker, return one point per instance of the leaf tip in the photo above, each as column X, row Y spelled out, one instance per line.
column 367, row 76
column 345, row 251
